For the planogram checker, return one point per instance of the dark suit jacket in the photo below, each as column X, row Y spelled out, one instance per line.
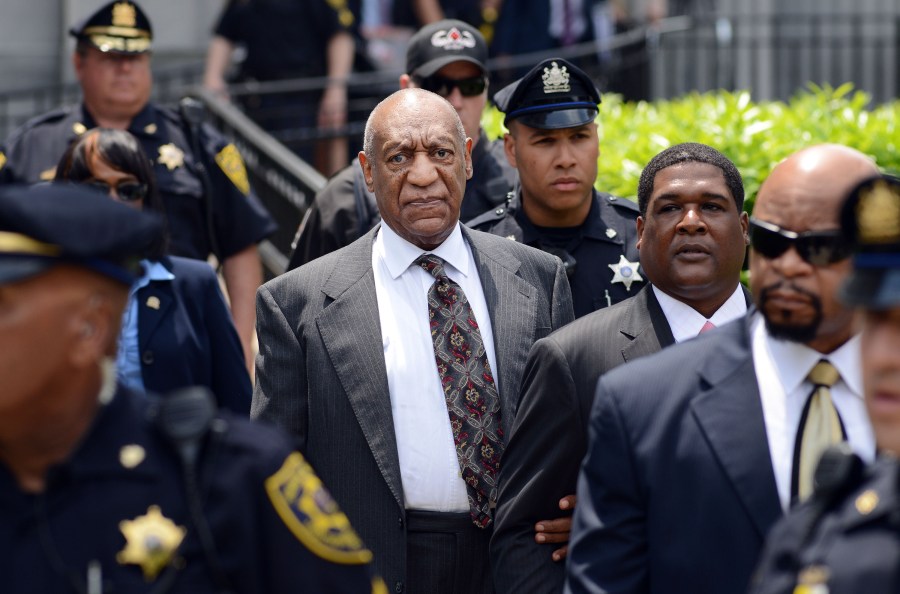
column 321, row 372
column 677, row 491
column 549, row 438
column 186, row 336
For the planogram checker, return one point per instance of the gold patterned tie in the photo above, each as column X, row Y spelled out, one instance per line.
column 819, row 428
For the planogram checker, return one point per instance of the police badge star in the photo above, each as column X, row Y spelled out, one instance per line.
column 171, row 156
column 625, row 272
column 151, row 541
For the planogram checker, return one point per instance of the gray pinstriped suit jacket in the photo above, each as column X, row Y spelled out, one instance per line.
column 321, row 373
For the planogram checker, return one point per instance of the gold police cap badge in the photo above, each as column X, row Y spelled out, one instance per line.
column 878, row 213
column 151, row 541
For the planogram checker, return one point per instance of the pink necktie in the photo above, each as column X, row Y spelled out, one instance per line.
column 707, row 327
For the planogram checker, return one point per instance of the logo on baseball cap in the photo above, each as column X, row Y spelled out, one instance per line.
column 444, row 42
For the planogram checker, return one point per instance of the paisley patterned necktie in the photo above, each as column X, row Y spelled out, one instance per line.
column 469, row 389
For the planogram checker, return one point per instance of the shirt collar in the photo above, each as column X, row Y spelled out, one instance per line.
column 686, row 322
column 154, row 270
column 793, row 361
column 399, row 254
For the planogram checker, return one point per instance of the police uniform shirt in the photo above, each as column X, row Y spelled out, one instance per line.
column 239, row 220
column 853, row 548
column 122, row 492
column 604, row 254
column 284, row 38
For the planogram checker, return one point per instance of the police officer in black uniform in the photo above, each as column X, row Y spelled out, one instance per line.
column 202, row 180
column 846, row 538
column 553, row 143
column 447, row 57
column 107, row 490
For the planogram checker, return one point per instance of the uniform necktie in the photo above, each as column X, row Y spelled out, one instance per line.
column 820, row 427
column 706, row 327
column 469, row 389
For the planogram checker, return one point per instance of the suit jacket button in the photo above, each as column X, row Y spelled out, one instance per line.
column 400, row 522
column 147, row 358
column 398, row 587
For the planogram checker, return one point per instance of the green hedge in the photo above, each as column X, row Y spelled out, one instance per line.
column 754, row 135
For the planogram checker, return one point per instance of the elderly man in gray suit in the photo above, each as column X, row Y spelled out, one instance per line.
column 692, row 238
column 397, row 360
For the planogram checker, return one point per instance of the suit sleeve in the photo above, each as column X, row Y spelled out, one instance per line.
column 608, row 549
column 540, row 466
column 562, row 310
column 230, row 380
column 281, row 383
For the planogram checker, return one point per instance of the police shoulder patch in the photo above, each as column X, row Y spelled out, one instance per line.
column 230, row 162
column 311, row 514
column 2, row 160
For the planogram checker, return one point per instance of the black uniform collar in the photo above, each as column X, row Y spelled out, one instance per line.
column 594, row 226
column 145, row 123
column 118, row 424
column 876, row 498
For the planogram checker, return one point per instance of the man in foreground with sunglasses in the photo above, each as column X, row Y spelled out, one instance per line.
column 697, row 450
column 553, row 144
column 845, row 539
column 448, row 58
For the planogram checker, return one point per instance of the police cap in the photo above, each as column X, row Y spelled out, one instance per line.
column 554, row 94
column 444, row 42
column 49, row 224
column 871, row 219
column 119, row 27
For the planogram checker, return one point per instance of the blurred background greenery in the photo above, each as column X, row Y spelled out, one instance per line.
column 755, row 135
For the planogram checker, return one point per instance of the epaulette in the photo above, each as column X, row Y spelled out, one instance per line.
column 620, row 203
column 50, row 117
column 495, row 214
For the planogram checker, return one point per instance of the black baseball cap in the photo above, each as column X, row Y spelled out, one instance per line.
column 120, row 27
column 444, row 42
column 870, row 218
column 554, row 94
column 48, row 224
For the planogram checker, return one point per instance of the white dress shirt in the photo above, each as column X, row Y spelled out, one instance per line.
column 429, row 467
column 781, row 368
column 686, row 322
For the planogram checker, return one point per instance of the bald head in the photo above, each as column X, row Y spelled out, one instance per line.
column 411, row 104
column 803, row 195
column 814, row 180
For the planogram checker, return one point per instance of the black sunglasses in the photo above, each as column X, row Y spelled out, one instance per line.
column 819, row 248
column 468, row 87
column 127, row 191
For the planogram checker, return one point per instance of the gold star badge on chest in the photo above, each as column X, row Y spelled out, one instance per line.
column 625, row 272
column 151, row 541
column 171, row 156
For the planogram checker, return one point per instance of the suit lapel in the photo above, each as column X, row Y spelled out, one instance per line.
column 730, row 414
column 512, row 303
column 646, row 325
column 351, row 332
column 154, row 303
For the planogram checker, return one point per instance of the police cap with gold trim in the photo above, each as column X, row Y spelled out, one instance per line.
column 119, row 27
column 49, row 224
column 554, row 94
column 870, row 218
